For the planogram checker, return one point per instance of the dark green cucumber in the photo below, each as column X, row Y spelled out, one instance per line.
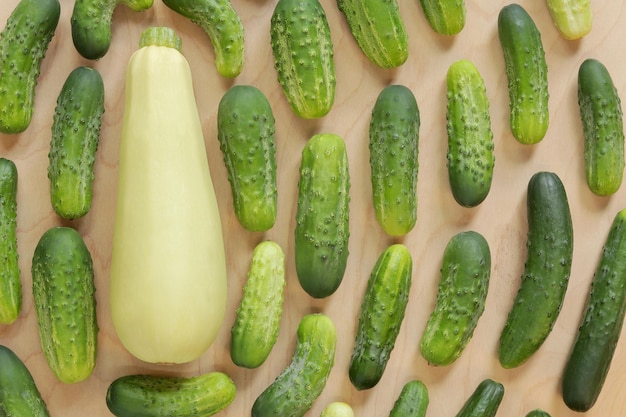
column 382, row 312
column 461, row 297
column 600, row 328
column 537, row 413
column 245, row 130
column 322, row 219
column 412, row 402
column 546, row 274
column 24, row 42
column 603, row 128
column 64, row 297
column 484, row 401
column 75, row 136
column 378, row 29
column 19, row 395
column 394, row 141
column 10, row 276
column 445, row 17
column 160, row 396
column 526, row 72
column 223, row 25
column 303, row 56
column 295, row 390
column 470, row 137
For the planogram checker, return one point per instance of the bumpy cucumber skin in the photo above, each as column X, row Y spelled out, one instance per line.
column 446, row 17
column 412, row 402
column 257, row 321
column 23, row 45
column 461, row 297
column 293, row 392
column 304, row 56
column 322, row 218
column 470, row 153
column 484, row 401
column 603, row 128
column 572, row 18
column 158, row 396
column 75, row 136
column 245, row 130
column 10, row 280
column 526, row 72
column 64, row 297
column 19, row 395
column 382, row 312
column 537, row 413
column 546, row 274
column 223, row 25
column 601, row 325
column 394, row 145
column 378, row 29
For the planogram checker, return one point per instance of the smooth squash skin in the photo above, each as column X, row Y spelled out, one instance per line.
column 168, row 269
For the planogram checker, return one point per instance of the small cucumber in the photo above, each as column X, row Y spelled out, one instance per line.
column 526, row 72
column 412, row 401
column 75, row 136
column 258, row 317
column 322, row 219
column 10, row 274
column 382, row 312
column 603, row 128
column 295, row 390
column 445, row 17
column 64, row 297
column 24, row 42
column 338, row 409
column 223, row 25
column 461, row 297
column 546, row 272
column 378, row 29
column 470, row 153
column 160, row 396
column 484, row 401
column 303, row 56
column 600, row 328
column 19, row 395
column 245, row 130
column 572, row 18
column 537, row 413
column 394, row 141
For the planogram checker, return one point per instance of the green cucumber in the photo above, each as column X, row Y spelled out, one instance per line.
column 378, row 29
column 10, row 275
column 382, row 312
column 245, row 130
column 546, row 274
column 303, row 54
column 394, row 141
column 75, row 136
column 24, row 42
column 160, row 396
column 470, row 155
column 603, row 128
column 412, row 402
column 526, row 72
column 484, row 401
column 257, row 321
column 223, row 25
column 64, row 297
column 337, row 409
column 322, row 218
column 19, row 395
column 537, row 413
column 600, row 328
column 461, row 297
column 297, row 387
column 572, row 18
column 445, row 17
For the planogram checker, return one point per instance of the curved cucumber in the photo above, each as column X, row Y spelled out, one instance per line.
column 446, row 17
column 19, row 395
column 484, row 401
column 10, row 274
column 572, row 18
column 412, row 402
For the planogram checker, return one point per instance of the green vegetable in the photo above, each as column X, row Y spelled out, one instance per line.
column 484, row 401
column 412, row 401
column 446, row 17
column 10, row 278
column 537, row 413
column 572, row 18
column 19, row 395
column 338, row 409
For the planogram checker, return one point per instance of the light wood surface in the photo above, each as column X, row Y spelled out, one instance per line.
column 501, row 218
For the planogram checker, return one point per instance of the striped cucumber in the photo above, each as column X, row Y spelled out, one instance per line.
column 412, row 402
column 445, row 17
column 572, row 18
column 484, row 401
column 19, row 395
column 10, row 274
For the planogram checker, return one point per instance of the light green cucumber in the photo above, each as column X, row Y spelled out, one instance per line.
column 412, row 402
column 10, row 275
column 572, row 18
column 484, row 401
column 445, row 17
column 19, row 395
column 338, row 409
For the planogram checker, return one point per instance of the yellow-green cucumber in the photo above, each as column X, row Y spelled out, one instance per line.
column 470, row 156
column 484, row 400
column 297, row 387
column 65, row 303
column 75, row 136
column 24, row 42
column 303, row 53
column 572, row 18
column 603, row 128
column 544, row 281
column 461, row 297
column 258, row 317
column 337, row 409
column 394, row 145
column 322, row 217
column 245, row 130
column 10, row 274
column 382, row 312
column 378, row 29
column 413, row 400
column 19, row 395
column 527, row 74
column 139, row 395
column 445, row 17
column 537, row 413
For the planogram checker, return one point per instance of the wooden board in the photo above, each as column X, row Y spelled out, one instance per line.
column 501, row 218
